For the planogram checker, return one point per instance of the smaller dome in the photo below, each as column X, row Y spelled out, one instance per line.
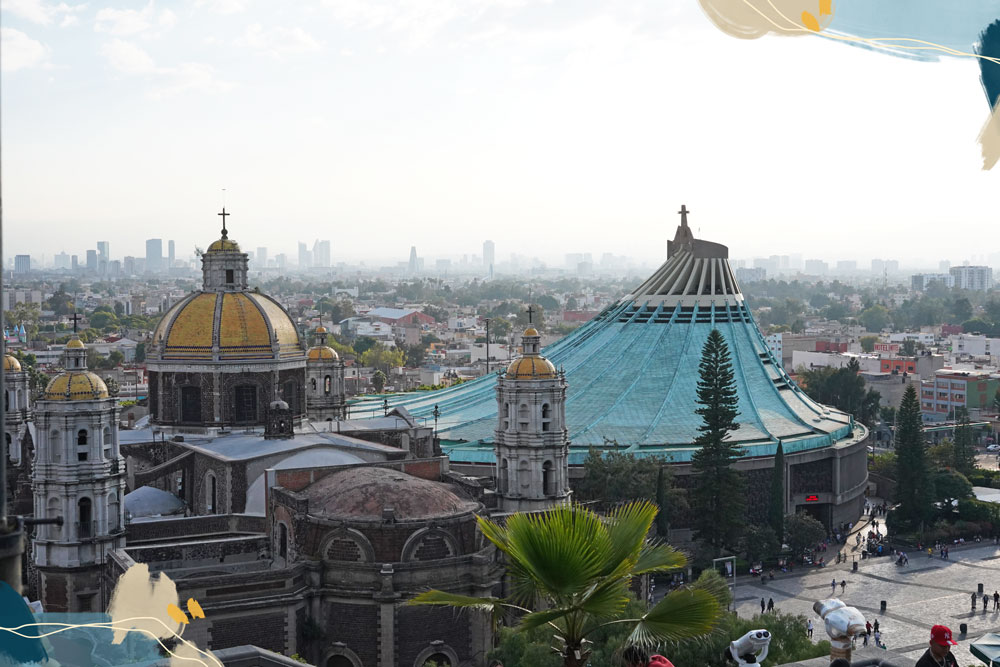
column 531, row 367
column 362, row 493
column 10, row 364
column 321, row 329
column 322, row 353
column 224, row 245
column 75, row 344
column 76, row 386
column 531, row 331
column 279, row 405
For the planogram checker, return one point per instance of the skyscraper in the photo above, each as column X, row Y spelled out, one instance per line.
column 170, row 255
column 92, row 260
column 261, row 257
column 305, row 256
column 22, row 263
column 413, row 259
column 489, row 255
column 154, row 255
column 321, row 253
column 103, row 251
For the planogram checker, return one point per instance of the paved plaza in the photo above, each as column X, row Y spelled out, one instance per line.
column 926, row 592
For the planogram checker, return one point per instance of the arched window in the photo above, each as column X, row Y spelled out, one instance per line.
column 106, row 443
column 312, row 384
column 210, row 494
column 55, row 446
column 114, row 521
column 51, row 512
column 85, row 525
column 190, row 405
column 326, row 384
column 522, row 417
column 546, row 416
column 283, row 540
column 6, row 401
column 548, row 479
column 504, row 474
column 81, row 438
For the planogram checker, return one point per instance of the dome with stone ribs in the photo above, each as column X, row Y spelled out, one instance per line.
column 322, row 353
column 226, row 326
column 76, row 386
column 11, row 364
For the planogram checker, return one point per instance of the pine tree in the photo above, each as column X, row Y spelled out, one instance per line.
column 717, row 497
column 663, row 517
column 996, row 401
column 776, row 506
column 963, row 448
column 914, row 490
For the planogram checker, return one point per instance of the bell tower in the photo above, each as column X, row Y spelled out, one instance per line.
column 326, row 398
column 78, row 474
column 223, row 266
column 531, row 440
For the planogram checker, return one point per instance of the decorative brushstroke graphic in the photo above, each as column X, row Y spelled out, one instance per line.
column 143, row 620
column 989, row 138
column 925, row 30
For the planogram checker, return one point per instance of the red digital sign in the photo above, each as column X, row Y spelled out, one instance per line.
column 812, row 499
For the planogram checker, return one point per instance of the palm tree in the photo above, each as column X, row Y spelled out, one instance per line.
column 570, row 569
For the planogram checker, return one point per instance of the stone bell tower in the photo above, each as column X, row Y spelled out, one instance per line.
column 532, row 446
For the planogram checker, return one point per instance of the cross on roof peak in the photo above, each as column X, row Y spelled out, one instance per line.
column 225, row 234
column 684, row 215
column 531, row 312
column 75, row 318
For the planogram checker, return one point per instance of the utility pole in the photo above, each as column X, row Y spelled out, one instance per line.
column 487, row 320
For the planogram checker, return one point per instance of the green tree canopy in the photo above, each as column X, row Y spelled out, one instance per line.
column 915, row 489
column 716, row 499
column 875, row 318
column 803, row 532
column 383, row 358
column 868, row 343
column 776, row 502
column 570, row 573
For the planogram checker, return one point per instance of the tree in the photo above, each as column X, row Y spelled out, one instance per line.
column 103, row 320
column 570, row 572
column 363, row 343
column 908, row 348
column 383, row 358
column 874, row 318
column 60, row 302
column 776, row 506
column 717, row 498
column 611, row 477
column 951, row 486
column 961, row 309
column 378, row 381
column 804, row 532
column 759, row 542
column 24, row 314
column 662, row 517
column 140, row 352
column 868, row 343
column 996, row 401
column 964, row 448
column 914, row 490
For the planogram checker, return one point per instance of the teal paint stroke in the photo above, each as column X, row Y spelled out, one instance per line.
column 956, row 24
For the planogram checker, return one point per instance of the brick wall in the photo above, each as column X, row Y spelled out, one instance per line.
column 356, row 625
column 266, row 631
column 417, row 627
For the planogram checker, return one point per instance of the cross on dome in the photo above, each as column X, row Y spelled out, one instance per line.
column 531, row 312
column 75, row 318
column 225, row 234
column 684, row 215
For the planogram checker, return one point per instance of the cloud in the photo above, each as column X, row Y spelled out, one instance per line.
column 130, row 58
column 279, row 41
column 221, row 6
column 42, row 13
column 18, row 51
column 126, row 22
column 127, row 57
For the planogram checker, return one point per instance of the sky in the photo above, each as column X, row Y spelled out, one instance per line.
column 549, row 127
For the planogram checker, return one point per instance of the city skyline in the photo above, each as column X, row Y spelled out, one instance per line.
column 532, row 125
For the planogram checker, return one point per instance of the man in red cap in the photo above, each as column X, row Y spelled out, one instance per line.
column 939, row 653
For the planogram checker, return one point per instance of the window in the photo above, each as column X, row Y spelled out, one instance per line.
column 326, row 384
column 312, row 384
column 229, row 276
column 283, row 540
column 245, row 404
column 85, row 527
column 81, row 438
column 291, row 395
column 210, row 494
column 190, row 405
column 548, row 479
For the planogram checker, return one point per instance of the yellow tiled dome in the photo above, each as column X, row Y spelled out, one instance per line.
column 75, row 344
column 76, row 386
column 10, row 364
column 244, row 326
column 224, row 245
column 322, row 353
column 531, row 331
column 321, row 330
column 531, row 367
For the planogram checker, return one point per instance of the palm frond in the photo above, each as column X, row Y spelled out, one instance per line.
column 628, row 526
column 716, row 586
column 454, row 600
column 659, row 557
column 538, row 618
column 685, row 613
column 561, row 549
column 606, row 600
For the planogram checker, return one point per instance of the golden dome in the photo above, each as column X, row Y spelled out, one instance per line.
column 531, row 367
column 76, row 386
column 11, row 364
column 531, row 331
column 321, row 330
column 75, row 344
column 246, row 325
column 322, row 353
column 224, row 245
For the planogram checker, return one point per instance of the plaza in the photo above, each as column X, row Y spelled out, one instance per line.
column 926, row 592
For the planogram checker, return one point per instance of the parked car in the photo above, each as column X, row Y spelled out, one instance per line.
column 993, row 448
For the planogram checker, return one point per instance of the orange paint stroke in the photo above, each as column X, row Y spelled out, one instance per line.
column 810, row 22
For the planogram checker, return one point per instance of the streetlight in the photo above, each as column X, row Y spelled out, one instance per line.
column 487, row 320
column 436, row 413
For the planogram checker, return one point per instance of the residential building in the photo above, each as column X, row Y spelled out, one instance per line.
column 957, row 388
column 922, row 281
column 977, row 278
column 22, row 263
column 816, row 267
column 754, row 275
column 154, row 255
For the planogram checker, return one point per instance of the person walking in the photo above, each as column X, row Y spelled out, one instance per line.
column 868, row 627
column 809, row 628
column 878, row 639
column 770, row 604
column 974, row 598
column 996, row 600
column 762, row 605
column 833, row 587
column 843, row 585
column 986, row 603
column 864, row 640
column 875, row 627
column 939, row 652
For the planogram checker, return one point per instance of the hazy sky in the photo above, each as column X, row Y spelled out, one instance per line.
column 549, row 127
